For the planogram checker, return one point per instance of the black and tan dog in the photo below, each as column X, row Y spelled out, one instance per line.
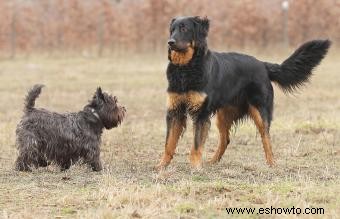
column 233, row 86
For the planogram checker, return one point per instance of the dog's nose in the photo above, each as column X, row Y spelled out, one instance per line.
column 171, row 42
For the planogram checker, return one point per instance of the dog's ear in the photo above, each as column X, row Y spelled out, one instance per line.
column 99, row 93
column 171, row 22
column 201, row 27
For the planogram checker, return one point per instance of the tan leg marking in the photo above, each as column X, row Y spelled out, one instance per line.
column 224, row 120
column 195, row 100
column 262, row 127
column 174, row 100
column 196, row 155
column 192, row 99
column 175, row 132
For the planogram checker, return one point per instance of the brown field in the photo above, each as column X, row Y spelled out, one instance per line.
column 305, row 134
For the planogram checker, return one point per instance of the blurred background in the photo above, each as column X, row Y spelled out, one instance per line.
column 106, row 27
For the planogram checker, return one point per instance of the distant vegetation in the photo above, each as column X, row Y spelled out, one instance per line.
column 107, row 26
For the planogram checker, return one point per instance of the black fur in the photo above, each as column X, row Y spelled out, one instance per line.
column 32, row 95
column 297, row 69
column 238, row 79
column 44, row 136
column 233, row 79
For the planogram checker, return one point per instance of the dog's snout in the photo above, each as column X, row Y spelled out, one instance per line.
column 171, row 42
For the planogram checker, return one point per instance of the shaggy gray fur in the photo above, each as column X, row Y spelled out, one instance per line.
column 43, row 137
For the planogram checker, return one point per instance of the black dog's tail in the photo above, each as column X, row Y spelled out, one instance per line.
column 297, row 69
column 32, row 94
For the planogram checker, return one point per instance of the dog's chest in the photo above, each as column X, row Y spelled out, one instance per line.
column 193, row 100
column 185, row 79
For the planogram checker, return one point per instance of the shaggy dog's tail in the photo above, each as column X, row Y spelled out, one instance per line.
column 32, row 95
column 297, row 69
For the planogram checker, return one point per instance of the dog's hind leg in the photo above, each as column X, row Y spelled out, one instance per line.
column 42, row 161
column 65, row 164
column 22, row 163
column 28, row 152
column 224, row 121
column 176, row 123
column 201, row 128
column 262, row 125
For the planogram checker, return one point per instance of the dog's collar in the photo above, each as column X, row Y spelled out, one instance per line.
column 93, row 111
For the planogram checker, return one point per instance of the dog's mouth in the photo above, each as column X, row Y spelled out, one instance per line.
column 177, row 49
column 121, row 115
column 180, row 47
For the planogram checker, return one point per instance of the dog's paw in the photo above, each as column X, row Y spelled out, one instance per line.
column 22, row 167
column 165, row 161
column 271, row 163
column 196, row 160
column 161, row 166
column 213, row 161
column 196, row 164
column 97, row 166
column 196, row 168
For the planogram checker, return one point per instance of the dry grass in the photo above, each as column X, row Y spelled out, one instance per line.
column 305, row 133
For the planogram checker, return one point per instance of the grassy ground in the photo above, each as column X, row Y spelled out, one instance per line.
column 305, row 135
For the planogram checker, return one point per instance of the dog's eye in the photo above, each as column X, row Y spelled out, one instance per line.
column 183, row 29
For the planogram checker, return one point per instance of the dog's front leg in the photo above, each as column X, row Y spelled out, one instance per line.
column 95, row 162
column 201, row 128
column 65, row 164
column 92, row 158
column 176, row 123
column 96, row 165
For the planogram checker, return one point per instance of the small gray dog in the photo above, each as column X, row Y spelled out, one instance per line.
column 43, row 137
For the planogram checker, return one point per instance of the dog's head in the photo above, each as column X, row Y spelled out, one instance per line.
column 186, row 35
column 106, row 108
